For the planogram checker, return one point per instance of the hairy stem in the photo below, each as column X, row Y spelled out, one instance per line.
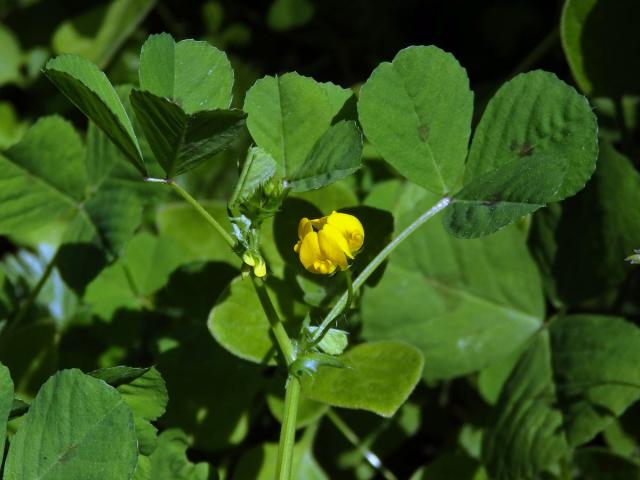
column 199, row 208
column 318, row 337
column 280, row 334
column 288, row 429
column 377, row 261
column 367, row 454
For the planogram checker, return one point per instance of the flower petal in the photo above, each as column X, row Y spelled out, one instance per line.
column 350, row 227
column 304, row 227
column 334, row 246
column 310, row 250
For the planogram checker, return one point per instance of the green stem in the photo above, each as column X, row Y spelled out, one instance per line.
column 288, row 429
column 210, row 220
column 282, row 338
column 375, row 263
column 241, row 179
column 33, row 295
column 352, row 437
column 317, row 338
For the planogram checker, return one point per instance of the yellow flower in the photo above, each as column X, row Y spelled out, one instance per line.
column 329, row 242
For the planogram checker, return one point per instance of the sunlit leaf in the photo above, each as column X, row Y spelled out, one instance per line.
column 77, row 427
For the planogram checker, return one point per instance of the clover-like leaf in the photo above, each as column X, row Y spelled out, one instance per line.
column 416, row 111
column 181, row 141
column 77, row 427
column 87, row 87
column 536, row 143
column 570, row 383
column 186, row 90
column 291, row 118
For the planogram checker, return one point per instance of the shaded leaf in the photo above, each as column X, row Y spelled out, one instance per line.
column 599, row 37
column 581, row 244
column 459, row 298
column 180, row 141
column 170, row 462
column 570, row 383
column 212, row 392
column 117, row 21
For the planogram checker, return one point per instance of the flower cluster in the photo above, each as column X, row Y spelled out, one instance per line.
column 329, row 242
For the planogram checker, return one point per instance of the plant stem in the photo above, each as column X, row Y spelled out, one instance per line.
column 282, row 338
column 375, row 263
column 241, row 179
column 194, row 203
column 318, row 337
column 352, row 437
column 288, row 429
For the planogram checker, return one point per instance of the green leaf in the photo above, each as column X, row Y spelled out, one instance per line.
column 143, row 269
column 170, row 462
column 379, row 377
column 12, row 127
column 288, row 14
column 416, row 111
column 120, row 375
column 98, row 235
column 580, row 246
column 495, row 199
column 30, row 353
column 42, row 177
column 212, row 392
column 89, row 89
column 309, row 411
column 262, row 167
column 183, row 224
column 100, row 32
column 147, row 398
column 336, row 154
column 77, row 427
column 334, row 341
column 569, row 385
column 180, row 141
column 460, row 298
column 239, row 323
column 194, row 75
column 289, row 114
column 535, row 126
column 260, row 462
column 599, row 37
column 11, row 60
column 450, row 466
column 6, row 404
